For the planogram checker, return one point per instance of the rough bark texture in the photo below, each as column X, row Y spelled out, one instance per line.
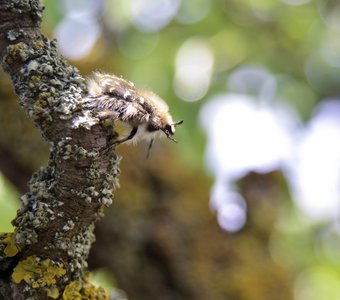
column 46, row 255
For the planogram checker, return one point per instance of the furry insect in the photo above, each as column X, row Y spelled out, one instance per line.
column 142, row 111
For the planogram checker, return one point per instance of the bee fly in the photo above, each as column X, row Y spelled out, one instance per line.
column 143, row 111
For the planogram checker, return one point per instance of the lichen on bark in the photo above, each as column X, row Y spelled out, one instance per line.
column 54, row 225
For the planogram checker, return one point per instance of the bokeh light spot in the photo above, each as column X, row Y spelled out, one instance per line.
column 252, row 80
column 82, row 8
column 330, row 13
column 231, row 217
column 314, row 172
column 151, row 16
column 193, row 11
column 230, row 206
column 244, row 135
column 76, row 37
column 194, row 67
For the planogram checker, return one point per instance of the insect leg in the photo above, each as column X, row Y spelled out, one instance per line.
column 131, row 135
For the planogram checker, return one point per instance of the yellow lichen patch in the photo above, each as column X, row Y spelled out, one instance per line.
column 16, row 51
column 52, row 292
column 40, row 103
column 52, row 271
column 93, row 292
column 84, row 291
column 39, row 273
column 72, row 291
column 26, row 270
column 39, row 44
column 11, row 248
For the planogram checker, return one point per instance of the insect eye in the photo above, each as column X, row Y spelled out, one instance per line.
column 168, row 129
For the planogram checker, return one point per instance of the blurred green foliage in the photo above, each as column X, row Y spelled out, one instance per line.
column 9, row 204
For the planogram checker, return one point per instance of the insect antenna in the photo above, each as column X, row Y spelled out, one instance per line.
column 178, row 122
column 171, row 138
column 169, row 135
column 149, row 148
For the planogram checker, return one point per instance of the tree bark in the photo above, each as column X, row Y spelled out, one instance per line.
column 46, row 255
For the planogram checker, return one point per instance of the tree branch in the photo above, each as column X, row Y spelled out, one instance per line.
column 46, row 255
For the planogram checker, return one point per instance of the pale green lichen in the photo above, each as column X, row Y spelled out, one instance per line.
column 68, row 226
column 68, row 150
column 77, row 247
column 108, row 177
column 39, row 207
column 32, row 66
column 88, row 194
column 26, row 237
column 15, row 34
column 106, row 198
column 33, row 7
column 86, row 120
column 51, row 80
